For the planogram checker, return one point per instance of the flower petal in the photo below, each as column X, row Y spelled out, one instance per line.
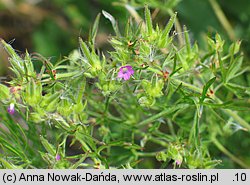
column 131, row 71
column 126, row 76
column 120, row 74
column 58, row 157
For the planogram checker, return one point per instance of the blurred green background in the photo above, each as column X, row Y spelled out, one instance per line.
column 52, row 28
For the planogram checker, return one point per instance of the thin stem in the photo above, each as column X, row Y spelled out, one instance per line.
column 229, row 154
column 230, row 113
column 154, row 14
column 171, row 128
column 161, row 114
column 159, row 142
column 235, row 116
column 223, row 19
column 135, row 15
column 190, row 86
column 107, row 104
column 147, row 154
column 152, row 139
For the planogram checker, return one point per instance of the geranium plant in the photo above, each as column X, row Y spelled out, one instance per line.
column 150, row 102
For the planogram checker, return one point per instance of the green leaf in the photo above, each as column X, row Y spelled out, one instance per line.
column 79, row 162
column 49, row 98
column 11, row 51
column 154, row 127
column 169, row 26
column 85, row 50
column 148, row 20
column 238, row 90
column 113, row 22
column 219, row 43
column 165, row 112
column 67, row 75
column 234, row 67
column 128, row 28
column 28, row 65
column 95, row 28
column 86, row 140
column 205, row 89
column 49, row 147
column 239, row 105
column 222, row 68
column 9, row 165
column 12, row 148
column 187, row 41
column 131, row 146
column 235, row 47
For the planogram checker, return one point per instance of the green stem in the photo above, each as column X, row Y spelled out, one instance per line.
column 190, row 86
column 229, row 154
column 152, row 139
column 171, row 128
column 230, row 113
column 159, row 142
column 134, row 14
column 194, row 134
column 223, row 19
column 235, row 116
column 109, row 116
column 147, row 154
column 161, row 114
column 107, row 104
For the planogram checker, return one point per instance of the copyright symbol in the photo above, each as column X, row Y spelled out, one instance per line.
column 9, row 178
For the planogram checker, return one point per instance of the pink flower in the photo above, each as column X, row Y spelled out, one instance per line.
column 178, row 162
column 58, row 157
column 11, row 109
column 125, row 72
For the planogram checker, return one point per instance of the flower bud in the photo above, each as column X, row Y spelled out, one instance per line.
column 58, row 157
column 145, row 101
column 153, row 90
column 11, row 109
column 161, row 156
